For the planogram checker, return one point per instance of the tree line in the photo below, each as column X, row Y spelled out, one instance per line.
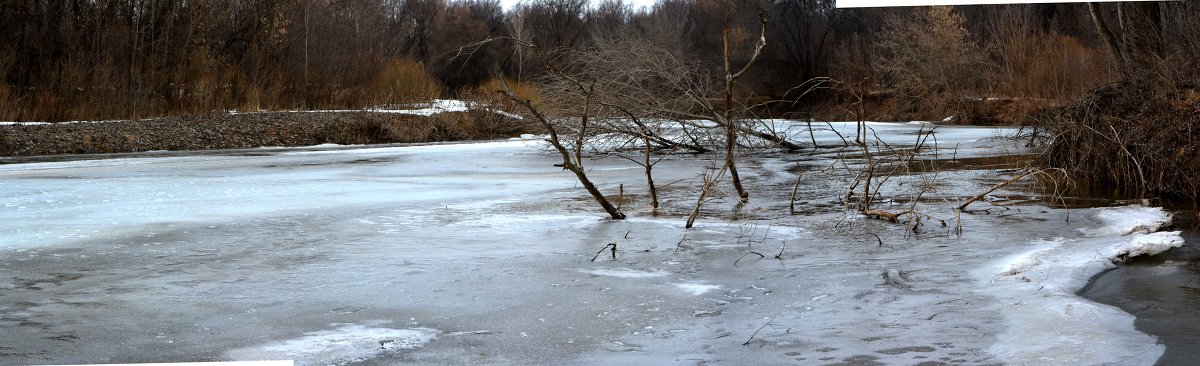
column 92, row 59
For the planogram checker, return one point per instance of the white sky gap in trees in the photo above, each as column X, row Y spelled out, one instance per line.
column 880, row 4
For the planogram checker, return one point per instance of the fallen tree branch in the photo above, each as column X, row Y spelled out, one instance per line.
column 1022, row 175
column 882, row 215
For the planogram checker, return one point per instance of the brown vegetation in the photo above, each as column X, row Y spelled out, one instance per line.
column 138, row 59
column 930, row 62
column 1141, row 133
column 1144, row 137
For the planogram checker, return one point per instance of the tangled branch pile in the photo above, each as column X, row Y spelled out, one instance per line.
column 1140, row 135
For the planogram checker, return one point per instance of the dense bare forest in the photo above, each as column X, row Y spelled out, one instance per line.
column 64, row 60
column 1112, row 85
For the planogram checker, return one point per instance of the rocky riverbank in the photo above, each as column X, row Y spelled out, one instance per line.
column 248, row 130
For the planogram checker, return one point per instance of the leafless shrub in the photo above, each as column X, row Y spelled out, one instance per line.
column 931, row 61
column 711, row 181
column 1139, row 135
column 403, row 81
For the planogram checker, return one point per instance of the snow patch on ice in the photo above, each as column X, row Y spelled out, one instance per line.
column 348, row 343
column 697, row 288
column 1127, row 220
column 1028, row 260
column 1148, row 244
column 626, row 273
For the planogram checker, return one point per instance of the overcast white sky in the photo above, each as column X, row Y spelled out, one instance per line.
column 878, row 3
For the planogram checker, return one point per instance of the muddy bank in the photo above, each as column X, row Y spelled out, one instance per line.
column 231, row 131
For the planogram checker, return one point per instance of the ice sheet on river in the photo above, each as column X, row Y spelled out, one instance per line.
column 323, row 255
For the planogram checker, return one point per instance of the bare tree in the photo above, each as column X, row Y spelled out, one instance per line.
column 572, row 157
column 518, row 29
column 574, row 119
column 731, row 128
column 801, row 33
column 1137, row 39
column 930, row 59
column 647, row 150
column 609, row 17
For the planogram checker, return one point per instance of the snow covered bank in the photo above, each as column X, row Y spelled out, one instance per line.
column 437, row 106
column 1047, row 323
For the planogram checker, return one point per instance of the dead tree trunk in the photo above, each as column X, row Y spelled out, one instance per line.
column 1137, row 40
column 570, row 164
column 731, row 124
column 1106, row 33
column 649, row 171
column 731, row 130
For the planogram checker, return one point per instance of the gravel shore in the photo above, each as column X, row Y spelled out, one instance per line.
column 246, row 130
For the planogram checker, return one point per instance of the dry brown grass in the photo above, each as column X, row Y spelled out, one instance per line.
column 94, row 90
column 489, row 92
column 9, row 99
column 1049, row 66
column 403, row 81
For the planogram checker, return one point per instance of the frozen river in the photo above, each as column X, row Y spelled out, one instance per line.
column 481, row 253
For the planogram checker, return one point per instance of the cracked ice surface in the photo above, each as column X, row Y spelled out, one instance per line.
column 482, row 254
